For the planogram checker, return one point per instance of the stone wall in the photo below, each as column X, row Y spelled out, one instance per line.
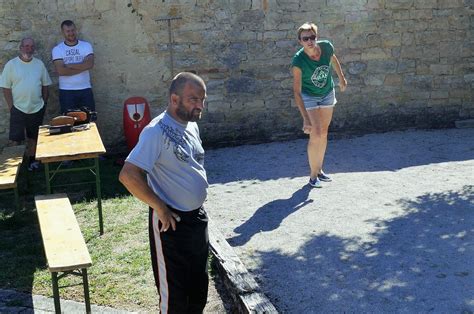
column 409, row 63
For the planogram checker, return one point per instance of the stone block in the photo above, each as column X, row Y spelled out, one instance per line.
column 274, row 35
column 406, row 66
column 469, row 78
column 426, row 4
column 422, row 82
column 426, row 14
column 391, row 40
column 450, row 49
column 467, row 50
column 356, row 68
column 413, row 26
column 379, row 15
column 287, row 44
column 463, row 124
column 217, row 105
column 375, row 5
column 242, row 85
column 251, row 19
column 420, row 95
column 459, row 21
column 423, row 67
column 101, row 5
column 401, row 15
column 393, row 80
column 373, row 40
column 442, row 13
column 374, row 79
column 399, row 4
column 431, row 52
column 408, row 38
column 439, row 94
column 451, row 4
column 254, row 104
column 357, row 41
column 441, row 69
column 382, row 66
column 349, row 55
column 395, row 52
column 375, row 53
column 332, row 18
column 410, row 52
column 438, row 25
column 355, row 5
column 356, row 17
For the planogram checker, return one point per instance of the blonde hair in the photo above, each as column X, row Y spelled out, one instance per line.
column 308, row 26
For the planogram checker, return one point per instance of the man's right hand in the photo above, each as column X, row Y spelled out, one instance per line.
column 167, row 219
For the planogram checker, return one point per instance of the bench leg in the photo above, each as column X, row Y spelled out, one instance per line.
column 17, row 198
column 46, row 174
column 85, row 282
column 57, row 305
column 99, row 195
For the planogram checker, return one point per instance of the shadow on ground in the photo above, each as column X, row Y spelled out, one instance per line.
column 270, row 216
column 419, row 262
column 387, row 152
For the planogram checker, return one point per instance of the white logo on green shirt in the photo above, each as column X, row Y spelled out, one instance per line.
column 320, row 76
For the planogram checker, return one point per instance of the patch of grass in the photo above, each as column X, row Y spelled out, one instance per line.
column 121, row 274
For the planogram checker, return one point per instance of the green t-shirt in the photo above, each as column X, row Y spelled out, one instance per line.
column 316, row 77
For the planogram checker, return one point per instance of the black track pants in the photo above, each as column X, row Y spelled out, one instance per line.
column 179, row 260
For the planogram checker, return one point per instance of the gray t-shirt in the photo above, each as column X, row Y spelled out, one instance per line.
column 172, row 155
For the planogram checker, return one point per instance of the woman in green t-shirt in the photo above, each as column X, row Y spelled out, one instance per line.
column 313, row 88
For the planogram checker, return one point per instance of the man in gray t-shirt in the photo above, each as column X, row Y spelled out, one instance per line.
column 166, row 171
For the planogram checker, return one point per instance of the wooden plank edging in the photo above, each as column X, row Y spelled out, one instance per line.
column 239, row 282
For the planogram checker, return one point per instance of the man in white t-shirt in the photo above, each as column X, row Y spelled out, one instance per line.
column 73, row 58
column 25, row 82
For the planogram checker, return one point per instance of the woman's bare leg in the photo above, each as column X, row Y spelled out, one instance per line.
column 318, row 138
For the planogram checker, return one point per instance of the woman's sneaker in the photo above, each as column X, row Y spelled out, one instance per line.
column 33, row 165
column 315, row 183
column 323, row 177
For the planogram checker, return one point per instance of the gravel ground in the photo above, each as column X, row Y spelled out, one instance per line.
column 392, row 233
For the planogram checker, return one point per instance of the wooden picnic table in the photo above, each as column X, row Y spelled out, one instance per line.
column 78, row 145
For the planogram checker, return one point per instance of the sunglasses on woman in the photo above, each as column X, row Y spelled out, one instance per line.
column 306, row 38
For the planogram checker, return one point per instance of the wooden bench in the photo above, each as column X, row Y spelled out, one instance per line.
column 10, row 162
column 64, row 245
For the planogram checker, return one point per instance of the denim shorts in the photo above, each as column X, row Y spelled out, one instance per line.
column 317, row 102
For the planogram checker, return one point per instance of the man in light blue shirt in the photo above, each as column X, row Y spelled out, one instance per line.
column 166, row 171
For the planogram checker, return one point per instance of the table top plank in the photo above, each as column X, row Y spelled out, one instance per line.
column 64, row 244
column 69, row 146
column 10, row 161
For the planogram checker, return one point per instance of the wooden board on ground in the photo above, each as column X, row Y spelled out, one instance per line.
column 240, row 283
column 10, row 161
column 64, row 244
column 69, row 146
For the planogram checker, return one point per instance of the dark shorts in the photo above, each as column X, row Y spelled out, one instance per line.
column 20, row 121
column 75, row 99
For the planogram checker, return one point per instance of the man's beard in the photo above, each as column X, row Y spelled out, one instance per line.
column 27, row 56
column 189, row 116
